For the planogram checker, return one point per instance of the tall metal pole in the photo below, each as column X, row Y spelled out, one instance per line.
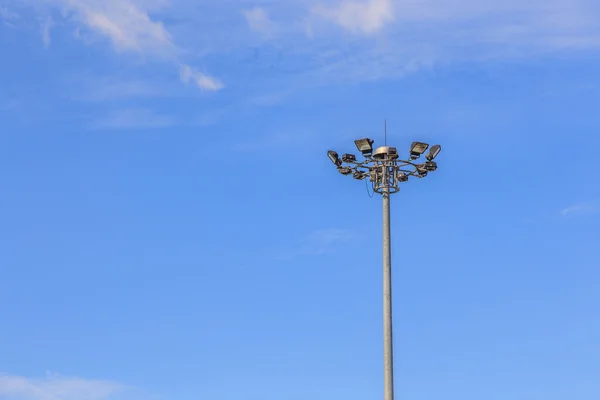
column 388, row 351
column 385, row 170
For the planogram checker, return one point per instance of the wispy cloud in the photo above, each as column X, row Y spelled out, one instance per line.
column 46, row 29
column 312, row 43
column 259, row 21
column 382, row 39
column 579, row 209
column 125, row 23
column 129, row 28
column 203, row 81
column 55, row 387
column 7, row 16
column 366, row 17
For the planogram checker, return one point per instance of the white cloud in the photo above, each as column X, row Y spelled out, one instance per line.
column 579, row 209
column 366, row 17
column 259, row 21
column 5, row 13
column 203, row 81
column 127, row 25
column 391, row 38
column 55, row 387
column 7, row 16
column 45, row 31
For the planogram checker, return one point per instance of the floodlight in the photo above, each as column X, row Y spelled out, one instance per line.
column 333, row 156
column 360, row 175
column 433, row 152
column 422, row 170
column 402, row 177
column 345, row 170
column 348, row 158
column 365, row 146
column 416, row 149
column 430, row 166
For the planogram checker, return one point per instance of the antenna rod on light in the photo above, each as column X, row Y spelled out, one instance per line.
column 385, row 132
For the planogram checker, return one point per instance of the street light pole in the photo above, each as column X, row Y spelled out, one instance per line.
column 386, row 171
column 388, row 345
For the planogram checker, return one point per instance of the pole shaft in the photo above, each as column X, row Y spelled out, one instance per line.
column 388, row 352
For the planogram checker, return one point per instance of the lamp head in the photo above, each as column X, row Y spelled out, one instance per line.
column 365, row 146
column 422, row 170
column 430, row 166
column 345, row 170
column 360, row 175
column 433, row 152
column 349, row 158
column 333, row 156
column 416, row 149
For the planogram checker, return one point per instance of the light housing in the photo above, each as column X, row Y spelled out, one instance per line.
column 345, row 170
column 433, row 152
column 402, row 177
column 360, row 175
column 430, row 166
column 333, row 156
column 348, row 158
column 365, row 146
column 416, row 149
column 421, row 170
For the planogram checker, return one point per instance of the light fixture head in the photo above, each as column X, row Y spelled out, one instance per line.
column 360, row 175
column 430, row 166
column 348, row 158
column 416, row 149
column 333, row 156
column 433, row 152
column 365, row 146
column 345, row 170
column 422, row 170
column 402, row 177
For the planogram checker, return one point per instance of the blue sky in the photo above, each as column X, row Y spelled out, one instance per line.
column 171, row 228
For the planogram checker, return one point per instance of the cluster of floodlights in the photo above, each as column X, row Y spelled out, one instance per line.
column 383, row 165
